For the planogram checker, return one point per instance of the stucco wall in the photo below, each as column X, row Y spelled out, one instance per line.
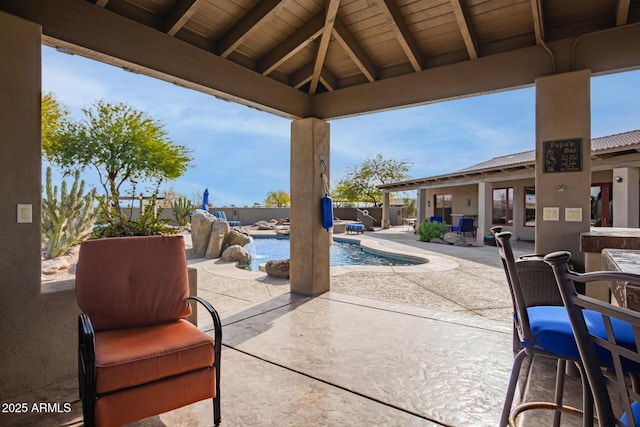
column 38, row 331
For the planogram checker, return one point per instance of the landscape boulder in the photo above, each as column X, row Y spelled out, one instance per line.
column 455, row 239
column 201, row 222
column 264, row 225
column 219, row 231
column 238, row 254
column 278, row 268
column 237, row 237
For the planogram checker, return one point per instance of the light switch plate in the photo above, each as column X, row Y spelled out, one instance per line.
column 25, row 213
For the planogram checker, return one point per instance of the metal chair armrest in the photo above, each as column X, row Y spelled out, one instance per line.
column 87, row 367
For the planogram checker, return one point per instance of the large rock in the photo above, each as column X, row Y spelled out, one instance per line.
column 219, row 231
column 237, row 237
column 201, row 223
column 264, row 225
column 238, row 254
column 455, row 239
column 278, row 268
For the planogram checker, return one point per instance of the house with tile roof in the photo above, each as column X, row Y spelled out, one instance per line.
column 502, row 190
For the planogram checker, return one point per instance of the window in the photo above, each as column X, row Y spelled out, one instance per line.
column 443, row 203
column 529, row 207
column 502, row 206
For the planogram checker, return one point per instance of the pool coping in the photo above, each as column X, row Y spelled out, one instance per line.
column 432, row 261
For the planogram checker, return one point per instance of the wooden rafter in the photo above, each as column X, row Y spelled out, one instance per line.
column 285, row 50
column 303, row 76
column 234, row 37
column 622, row 12
column 353, row 49
column 102, row 3
column 329, row 20
column 180, row 14
column 402, row 33
column 538, row 21
column 466, row 29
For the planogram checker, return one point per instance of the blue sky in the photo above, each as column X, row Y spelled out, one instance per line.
column 241, row 154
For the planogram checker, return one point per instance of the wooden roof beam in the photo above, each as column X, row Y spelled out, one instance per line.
column 292, row 45
column 622, row 12
column 402, row 33
column 179, row 15
column 466, row 29
column 353, row 49
column 102, row 3
column 236, row 35
column 303, row 76
column 329, row 20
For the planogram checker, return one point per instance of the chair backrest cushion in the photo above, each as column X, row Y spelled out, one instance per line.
column 133, row 281
column 466, row 224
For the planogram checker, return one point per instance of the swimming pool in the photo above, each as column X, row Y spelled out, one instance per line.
column 263, row 249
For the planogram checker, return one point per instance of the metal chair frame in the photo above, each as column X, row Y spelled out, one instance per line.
column 542, row 291
column 623, row 383
column 87, row 368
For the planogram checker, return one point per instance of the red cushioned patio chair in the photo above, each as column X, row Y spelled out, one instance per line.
column 138, row 355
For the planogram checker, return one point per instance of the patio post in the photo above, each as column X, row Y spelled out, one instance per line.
column 563, row 162
column 309, row 268
column 386, row 222
column 625, row 197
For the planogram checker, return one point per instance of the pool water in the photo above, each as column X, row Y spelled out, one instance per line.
column 342, row 253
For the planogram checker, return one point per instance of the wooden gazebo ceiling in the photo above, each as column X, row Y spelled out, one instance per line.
column 331, row 58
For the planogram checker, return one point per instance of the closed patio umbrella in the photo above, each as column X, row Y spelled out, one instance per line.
column 205, row 200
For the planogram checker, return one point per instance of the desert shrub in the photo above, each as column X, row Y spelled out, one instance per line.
column 181, row 208
column 115, row 222
column 429, row 230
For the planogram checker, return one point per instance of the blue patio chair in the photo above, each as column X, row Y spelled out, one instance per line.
column 223, row 216
column 541, row 328
column 435, row 218
column 465, row 225
column 605, row 334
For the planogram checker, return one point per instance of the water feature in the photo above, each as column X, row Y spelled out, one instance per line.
column 263, row 249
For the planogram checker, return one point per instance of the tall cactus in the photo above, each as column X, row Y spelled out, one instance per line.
column 68, row 221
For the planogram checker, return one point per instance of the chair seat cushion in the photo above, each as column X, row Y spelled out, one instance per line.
column 635, row 410
column 130, row 357
column 552, row 332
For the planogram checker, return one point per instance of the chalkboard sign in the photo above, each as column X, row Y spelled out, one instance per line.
column 563, row 155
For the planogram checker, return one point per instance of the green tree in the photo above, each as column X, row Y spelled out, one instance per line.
column 277, row 198
column 122, row 144
column 360, row 183
column 409, row 206
column 54, row 116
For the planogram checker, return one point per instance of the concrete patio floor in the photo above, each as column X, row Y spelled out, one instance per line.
column 425, row 345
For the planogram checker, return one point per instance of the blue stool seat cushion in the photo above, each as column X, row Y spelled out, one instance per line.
column 355, row 226
column 635, row 410
column 552, row 332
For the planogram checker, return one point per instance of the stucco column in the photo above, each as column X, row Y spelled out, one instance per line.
column 386, row 222
column 309, row 270
column 625, row 197
column 421, row 206
column 37, row 330
column 484, row 209
column 563, row 162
